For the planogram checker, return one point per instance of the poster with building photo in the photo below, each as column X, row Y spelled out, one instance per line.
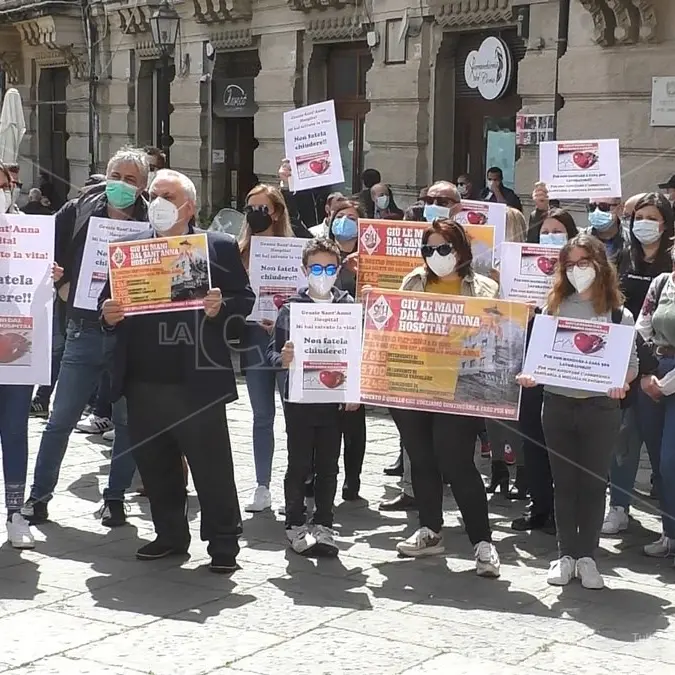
column 483, row 214
column 312, row 146
column 526, row 272
column 581, row 169
column 534, row 129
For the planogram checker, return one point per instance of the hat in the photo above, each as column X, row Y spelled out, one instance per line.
column 669, row 184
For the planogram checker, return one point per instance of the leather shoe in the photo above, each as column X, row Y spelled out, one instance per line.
column 158, row 549
column 402, row 502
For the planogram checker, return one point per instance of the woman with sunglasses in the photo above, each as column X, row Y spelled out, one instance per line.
column 266, row 216
column 581, row 427
column 442, row 443
column 604, row 217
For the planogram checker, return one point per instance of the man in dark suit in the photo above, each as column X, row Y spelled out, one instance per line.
column 175, row 370
column 496, row 191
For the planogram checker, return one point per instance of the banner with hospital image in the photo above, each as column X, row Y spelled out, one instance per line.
column 439, row 353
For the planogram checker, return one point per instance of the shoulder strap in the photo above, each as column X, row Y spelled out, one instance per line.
column 617, row 315
column 661, row 282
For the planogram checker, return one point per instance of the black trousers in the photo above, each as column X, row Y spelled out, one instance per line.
column 354, row 435
column 165, row 422
column 443, row 445
column 313, row 439
column 535, row 455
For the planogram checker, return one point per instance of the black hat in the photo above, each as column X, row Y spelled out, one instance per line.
column 669, row 184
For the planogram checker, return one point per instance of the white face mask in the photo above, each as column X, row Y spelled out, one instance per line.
column 442, row 265
column 7, row 197
column 382, row 202
column 647, row 231
column 162, row 214
column 320, row 284
column 462, row 189
column 16, row 193
column 581, row 279
column 491, row 185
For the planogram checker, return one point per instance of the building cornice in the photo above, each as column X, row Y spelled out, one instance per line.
column 221, row 11
column 622, row 22
column 466, row 14
column 341, row 27
column 320, row 5
column 231, row 38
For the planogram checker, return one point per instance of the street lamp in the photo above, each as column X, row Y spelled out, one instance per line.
column 164, row 24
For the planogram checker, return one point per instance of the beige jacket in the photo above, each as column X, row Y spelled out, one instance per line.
column 473, row 285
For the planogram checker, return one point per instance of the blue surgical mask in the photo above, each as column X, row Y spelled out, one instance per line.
column 434, row 211
column 382, row 202
column 601, row 220
column 553, row 238
column 345, row 228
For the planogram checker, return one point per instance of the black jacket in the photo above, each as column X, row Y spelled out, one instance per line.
column 305, row 210
column 37, row 209
column 512, row 199
column 199, row 357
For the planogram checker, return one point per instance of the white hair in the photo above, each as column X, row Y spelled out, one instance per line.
column 185, row 182
column 130, row 155
column 35, row 194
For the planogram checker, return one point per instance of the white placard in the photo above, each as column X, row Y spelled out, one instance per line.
column 576, row 354
column 581, row 169
column 94, row 267
column 326, row 365
column 527, row 271
column 26, row 298
column 663, row 102
column 275, row 272
column 312, row 146
column 485, row 213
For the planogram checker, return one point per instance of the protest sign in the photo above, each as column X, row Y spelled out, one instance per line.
column 26, row 298
column 577, row 354
column 312, row 146
column 476, row 214
column 438, row 353
column 94, row 267
column 275, row 272
column 326, row 366
column 581, row 169
column 527, row 271
column 166, row 274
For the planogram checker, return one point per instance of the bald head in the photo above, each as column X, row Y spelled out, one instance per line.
column 631, row 203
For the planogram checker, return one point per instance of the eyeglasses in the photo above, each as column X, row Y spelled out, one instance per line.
column 583, row 263
column 316, row 270
column 250, row 208
column 602, row 206
column 439, row 201
column 443, row 250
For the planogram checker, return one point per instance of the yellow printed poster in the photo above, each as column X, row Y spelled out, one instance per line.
column 166, row 274
column 441, row 353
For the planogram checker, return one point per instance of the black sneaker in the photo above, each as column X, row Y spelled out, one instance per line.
column 158, row 549
column 35, row 511
column 223, row 564
column 113, row 513
column 39, row 409
column 544, row 523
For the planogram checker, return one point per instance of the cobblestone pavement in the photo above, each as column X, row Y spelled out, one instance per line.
column 81, row 603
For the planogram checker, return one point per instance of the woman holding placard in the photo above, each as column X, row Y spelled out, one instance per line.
column 266, row 216
column 581, row 427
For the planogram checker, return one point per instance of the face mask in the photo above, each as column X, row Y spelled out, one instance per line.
column 491, row 185
column 120, row 195
column 258, row 220
column 462, row 189
column 442, row 265
column 434, row 211
column 162, row 214
column 600, row 220
column 16, row 193
column 553, row 239
column 580, row 278
column 7, row 197
column 321, row 284
column 344, row 228
column 382, row 202
column 647, row 231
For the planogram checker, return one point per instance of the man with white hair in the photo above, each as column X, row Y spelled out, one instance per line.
column 176, row 373
column 88, row 350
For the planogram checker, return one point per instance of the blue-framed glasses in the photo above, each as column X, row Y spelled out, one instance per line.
column 316, row 270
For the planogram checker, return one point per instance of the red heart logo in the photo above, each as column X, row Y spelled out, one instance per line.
column 318, row 166
column 278, row 300
column 12, row 347
column 546, row 265
column 588, row 344
column 331, row 378
column 580, row 159
column 474, row 218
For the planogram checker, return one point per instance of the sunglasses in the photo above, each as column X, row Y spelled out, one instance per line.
column 602, row 206
column 443, row 250
column 250, row 209
column 439, row 201
column 316, row 270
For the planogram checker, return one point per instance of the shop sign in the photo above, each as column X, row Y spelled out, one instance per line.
column 663, row 102
column 234, row 97
column 490, row 68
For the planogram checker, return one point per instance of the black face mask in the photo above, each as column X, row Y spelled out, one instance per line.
column 258, row 220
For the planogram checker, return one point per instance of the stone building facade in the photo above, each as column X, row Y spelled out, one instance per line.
column 395, row 68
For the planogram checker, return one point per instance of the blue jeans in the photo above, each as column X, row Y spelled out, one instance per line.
column 44, row 392
column 626, row 459
column 103, row 406
column 88, row 353
column 14, row 408
column 657, row 425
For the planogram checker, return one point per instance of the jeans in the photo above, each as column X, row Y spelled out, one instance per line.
column 354, row 436
column 102, row 406
column 657, row 426
column 626, row 459
column 44, row 392
column 87, row 354
column 14, row 408
column 581, row 436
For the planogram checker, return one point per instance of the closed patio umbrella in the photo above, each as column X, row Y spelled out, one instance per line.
column 12, row 127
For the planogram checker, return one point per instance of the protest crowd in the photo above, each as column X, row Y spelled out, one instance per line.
column 157, row 378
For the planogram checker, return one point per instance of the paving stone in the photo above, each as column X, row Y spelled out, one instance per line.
column 61, row 665
column 458, row 664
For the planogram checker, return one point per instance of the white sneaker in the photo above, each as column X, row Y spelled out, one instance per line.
column 561, row 571
column 94, row 424
column 301, row 539
column 261, row 499
column 325, row 541
column 587, row 571
column 487, row 559
column 423, row 542
column 616, row 520
column 108, row 436
column 664, row 547
column 18, row 532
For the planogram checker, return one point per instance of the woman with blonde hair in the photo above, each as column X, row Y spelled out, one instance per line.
column 266, row 216
column 516, row 227
column 581, row 427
